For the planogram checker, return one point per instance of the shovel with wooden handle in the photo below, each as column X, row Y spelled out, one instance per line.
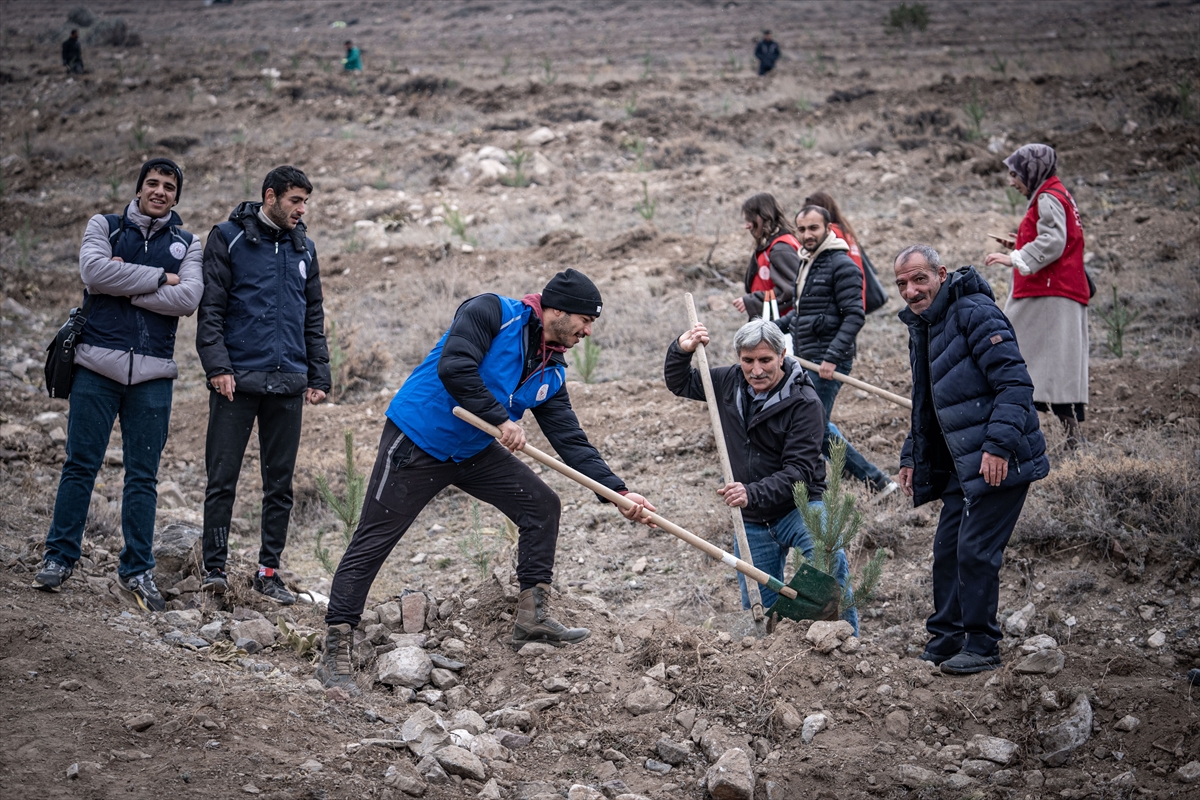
column 815, row 599
column 714, row 416
column 857, row 384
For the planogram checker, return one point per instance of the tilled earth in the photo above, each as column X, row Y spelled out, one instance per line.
column 656, row 129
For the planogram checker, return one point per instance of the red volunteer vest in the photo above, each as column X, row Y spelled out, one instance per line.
column 762, row 279
column 1064, row 277
column 855, row 256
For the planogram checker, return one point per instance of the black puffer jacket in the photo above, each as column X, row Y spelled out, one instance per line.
column 971, row 394
column 781, row 446
column 829, row 310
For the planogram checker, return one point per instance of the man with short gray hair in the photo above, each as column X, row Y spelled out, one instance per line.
column 773, row 423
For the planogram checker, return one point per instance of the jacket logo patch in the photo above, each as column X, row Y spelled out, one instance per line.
column 178, row 249
column 997, row 339
column 543, row 390
column 764, row 273
column 303, row 269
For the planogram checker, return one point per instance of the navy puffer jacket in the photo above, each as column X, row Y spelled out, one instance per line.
column 971, row 385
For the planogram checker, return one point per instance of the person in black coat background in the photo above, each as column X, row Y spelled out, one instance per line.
column 72, row 53
column 975, row 444
column 767, row 53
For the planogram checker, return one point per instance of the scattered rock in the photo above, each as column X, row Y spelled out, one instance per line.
column 896, row 724
column 1127, row 723
column 813, row 724
column 672, row 752
column 914, row 777
column 170, row 495
column 173, row 545
column 978, row 767
column 556, row 684
column 785, row 716
column 258, row 630
column 140, row 722
column 1043, row 662
column 391, row 616
column 414, row 607
column 511, row 718
column 443, row 678
column 432, row 771
column 532, row 649
column 441, row 662
column 1018, row 623
column 1156, row 640
column 490, row 791
column 992, row 748
column 212, row 631
column 1189, row 772
column 1039, row 642
column 657, row 767
column 488, row 747
column 71, row 685
column 732, row 777
column 404, row 666
column 648, row 700
column 1059, row 741
column 457, row 761
column 826, row 636
column 540, row 137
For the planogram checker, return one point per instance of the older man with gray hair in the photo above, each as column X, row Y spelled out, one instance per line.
column 774, row 424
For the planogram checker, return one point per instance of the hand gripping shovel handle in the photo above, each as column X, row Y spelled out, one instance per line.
column 622, row 502
column 856, row 383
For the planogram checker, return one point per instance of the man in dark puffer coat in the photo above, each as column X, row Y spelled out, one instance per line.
column 975, row 443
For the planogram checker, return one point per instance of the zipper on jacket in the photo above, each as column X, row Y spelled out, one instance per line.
column 130, row 381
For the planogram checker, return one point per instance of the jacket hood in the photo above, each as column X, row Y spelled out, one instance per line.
column 960, row 283
column 246, row 217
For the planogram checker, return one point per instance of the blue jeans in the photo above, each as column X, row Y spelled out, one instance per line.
column 856, row 465
column 145, row 413
column 770, row 546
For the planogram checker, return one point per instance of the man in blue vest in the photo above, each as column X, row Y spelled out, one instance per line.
column 261, row 339
column 500, row 357
column 141, row 272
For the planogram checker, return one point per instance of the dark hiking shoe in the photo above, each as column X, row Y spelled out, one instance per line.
column 969, row 663
column 51, row 576
column 937, row 659
column 534, row 623
column 333, row 670
column 215, row 582
column 271, row 587
column 143, row 590
column 1194, row 677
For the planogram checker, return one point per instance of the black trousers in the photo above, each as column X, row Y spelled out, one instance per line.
column 968, row 550
column 229, row 426
column 406, row 478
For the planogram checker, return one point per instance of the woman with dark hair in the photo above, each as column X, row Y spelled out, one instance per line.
column 1047, row 304
column 776, row 259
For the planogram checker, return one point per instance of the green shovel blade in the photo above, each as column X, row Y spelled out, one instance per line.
column 817, row 595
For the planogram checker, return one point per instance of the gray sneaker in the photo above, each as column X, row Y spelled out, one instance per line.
column 51, row 576
column 271, row 586
column 144, row 590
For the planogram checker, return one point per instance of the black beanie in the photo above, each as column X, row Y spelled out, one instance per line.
column 165, row 165
column 574, row 293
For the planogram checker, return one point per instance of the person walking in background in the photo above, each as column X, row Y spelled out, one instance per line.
column 141, row 272
column 776, row 258
column 767, row 53
column 353, row 60
column 774, row 424
column 261, row 339
column 72, row 53
column 824, row 324
column 974, row 443
column 1048, row 301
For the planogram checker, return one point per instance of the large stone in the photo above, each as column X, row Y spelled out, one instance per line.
column 913, row 777
column 993, row 748
column 732, row 777
column 259, row 630
column 404, row 776
column 490, row 791
column 540, row 137
column 443, row 678
column 413, row 609
column 826, row 636
column 581, row 792
column 1059, row 741
column 1189, row 772
column 421, row 720
column 1043, row 662
column 786, row 717
column 978, row 767
column 813, row 724
column 390, row 615
column 173, row 546
column 672, row 752
column 468, row 720
column 896, row 724
column 488, row 747
column 187, row 618
column 170, row 495
column 1039, row 642
column 649, row 700
column 457, row 761
column 1019, row 621
column 1127, row 723
column 511, row 718
column 405, row 666
column 432, row 770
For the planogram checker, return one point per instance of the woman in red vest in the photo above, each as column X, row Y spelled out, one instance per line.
column 776, row 259
column 1048, row 302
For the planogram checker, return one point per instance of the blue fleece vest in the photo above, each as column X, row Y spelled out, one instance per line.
column 423, row 408
column 115, row 323
column 264, row 321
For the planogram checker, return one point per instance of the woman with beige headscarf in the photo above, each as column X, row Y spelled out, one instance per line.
column 1050, row 290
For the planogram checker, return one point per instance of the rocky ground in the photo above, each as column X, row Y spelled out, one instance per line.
column 486, row 146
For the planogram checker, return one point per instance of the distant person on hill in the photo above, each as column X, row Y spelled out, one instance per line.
column 974, row 443
column 825, row 323
column 773, row 423
column 1048, row 302
column 353, row 60
column 72, row 53
column 141, row 272
column 261, row 339
column 767, row 53
column 776, row 258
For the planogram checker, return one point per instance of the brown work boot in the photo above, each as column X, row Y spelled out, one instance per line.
column 534, row 623
column 1074, row 436
column 333, row 670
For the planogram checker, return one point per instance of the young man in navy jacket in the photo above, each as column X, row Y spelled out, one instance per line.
column 141, row 272
column 975, row 444
column 261, row 339
column 500, row 357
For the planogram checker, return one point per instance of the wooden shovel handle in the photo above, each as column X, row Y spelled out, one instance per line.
column 856, row 383
column 621, row 501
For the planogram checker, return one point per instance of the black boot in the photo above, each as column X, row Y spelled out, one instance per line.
column 333, row 670
column 534, row 623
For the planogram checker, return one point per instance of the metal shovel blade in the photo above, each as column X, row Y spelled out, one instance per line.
column 817, row 595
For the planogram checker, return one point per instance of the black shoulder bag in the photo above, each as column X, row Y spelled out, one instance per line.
column 60, row 354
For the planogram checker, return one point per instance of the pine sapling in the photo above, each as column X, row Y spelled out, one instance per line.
column 347, row 508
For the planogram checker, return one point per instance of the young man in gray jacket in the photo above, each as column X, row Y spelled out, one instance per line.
column 141, row 272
